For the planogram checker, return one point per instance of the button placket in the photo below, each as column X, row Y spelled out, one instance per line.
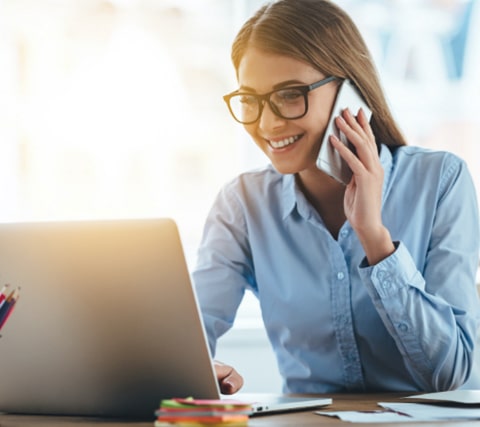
column 343, row 321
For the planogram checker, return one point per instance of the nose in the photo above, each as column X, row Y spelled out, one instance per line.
column 268, row 119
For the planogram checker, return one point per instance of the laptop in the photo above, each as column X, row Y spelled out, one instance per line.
column 107, row 323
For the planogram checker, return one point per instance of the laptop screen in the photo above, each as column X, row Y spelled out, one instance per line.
column 107, row 323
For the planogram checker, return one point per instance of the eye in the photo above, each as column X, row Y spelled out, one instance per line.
column 288, row 96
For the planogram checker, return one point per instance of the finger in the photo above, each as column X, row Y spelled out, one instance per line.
column 351, row 120
column 229, row 379
column 232, row 383
column 364, row 146
column 353, row 133
column 360, row 125
column 352, row 160
column 364, row 122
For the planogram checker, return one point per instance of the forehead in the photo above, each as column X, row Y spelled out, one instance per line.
column 261, row 71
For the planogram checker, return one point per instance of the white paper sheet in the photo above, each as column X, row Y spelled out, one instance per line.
column 369, row 417
column 413, row 412
column 455, row 396
column 425, row 412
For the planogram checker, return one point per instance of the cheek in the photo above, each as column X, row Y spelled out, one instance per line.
column 319, row 112
column 316, row 124
column 319, row 115
column 322, row 104
column 252, row 131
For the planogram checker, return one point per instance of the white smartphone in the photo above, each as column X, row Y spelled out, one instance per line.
column 329, row 160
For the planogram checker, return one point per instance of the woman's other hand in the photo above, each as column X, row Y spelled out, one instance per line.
column 229, row 380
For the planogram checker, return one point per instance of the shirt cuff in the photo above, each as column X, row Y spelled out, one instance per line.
column 392, row 273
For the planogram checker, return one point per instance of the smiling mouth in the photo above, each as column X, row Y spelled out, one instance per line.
column 284, row 142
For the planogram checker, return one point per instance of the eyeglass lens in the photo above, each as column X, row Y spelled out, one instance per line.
column 288, row 103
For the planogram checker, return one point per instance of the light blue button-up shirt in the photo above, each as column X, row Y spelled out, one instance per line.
column 335, row 323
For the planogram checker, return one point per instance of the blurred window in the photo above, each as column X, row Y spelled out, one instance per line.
column 114, row 108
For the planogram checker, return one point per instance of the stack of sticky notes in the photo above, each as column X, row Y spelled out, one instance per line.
column 7, row 302
column 200, row 412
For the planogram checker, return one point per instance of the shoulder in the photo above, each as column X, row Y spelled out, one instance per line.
column 430, row 175
column 420, row 155
column 422, row 163
column 255, row 182
column 253, row 193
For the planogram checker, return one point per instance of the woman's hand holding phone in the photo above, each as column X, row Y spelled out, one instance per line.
column 329, row 160
column 363, row 194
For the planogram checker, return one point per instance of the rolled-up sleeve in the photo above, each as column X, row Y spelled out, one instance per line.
column 431, row 309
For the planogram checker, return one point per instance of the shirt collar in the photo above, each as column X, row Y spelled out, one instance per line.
column 386, row 160
column 289, row 196
column 291, row 191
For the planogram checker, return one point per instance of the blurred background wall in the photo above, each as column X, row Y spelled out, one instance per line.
column 114, row 109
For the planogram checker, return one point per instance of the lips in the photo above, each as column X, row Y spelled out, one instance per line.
column 281, row 143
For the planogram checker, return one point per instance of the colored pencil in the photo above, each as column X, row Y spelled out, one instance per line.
column 8, row 305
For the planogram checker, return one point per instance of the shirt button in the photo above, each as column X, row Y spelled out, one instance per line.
column 403, row 327
column 344, row 233
column 340, row 275
column 350, row 358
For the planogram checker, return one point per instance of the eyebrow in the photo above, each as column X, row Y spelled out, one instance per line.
column 275, row 87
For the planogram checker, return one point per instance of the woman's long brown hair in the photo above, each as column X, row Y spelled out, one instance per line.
column 322, row 35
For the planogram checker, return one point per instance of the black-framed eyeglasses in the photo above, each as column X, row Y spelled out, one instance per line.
column 288, row 103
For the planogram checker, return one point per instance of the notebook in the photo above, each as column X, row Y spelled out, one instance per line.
column 108, row 323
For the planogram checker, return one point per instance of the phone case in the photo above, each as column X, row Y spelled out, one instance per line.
column 329, row 160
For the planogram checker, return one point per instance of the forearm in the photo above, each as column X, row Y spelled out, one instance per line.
column 377, row 244
column 435, row 337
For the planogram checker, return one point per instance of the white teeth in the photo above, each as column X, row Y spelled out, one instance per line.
column 284, row 142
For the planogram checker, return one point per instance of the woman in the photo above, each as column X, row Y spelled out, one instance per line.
column 363, row 287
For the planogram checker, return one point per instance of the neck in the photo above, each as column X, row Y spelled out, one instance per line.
column 326, row 196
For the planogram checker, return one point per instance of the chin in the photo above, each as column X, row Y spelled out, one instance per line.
column 285, row 169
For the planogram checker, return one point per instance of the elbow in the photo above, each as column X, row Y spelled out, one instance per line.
column 454, row 375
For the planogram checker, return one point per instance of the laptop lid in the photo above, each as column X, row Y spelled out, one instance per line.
column 107, row 323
